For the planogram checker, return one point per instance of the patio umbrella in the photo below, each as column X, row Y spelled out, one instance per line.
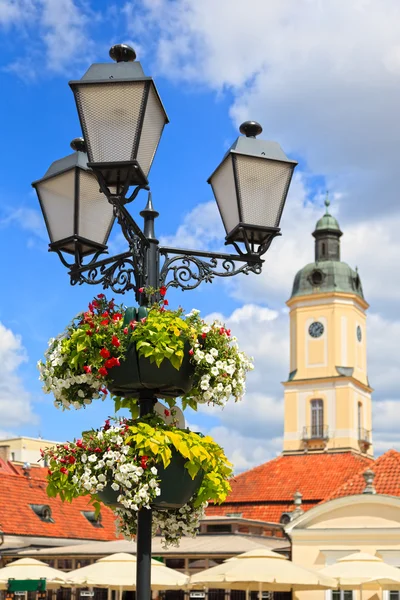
column 118, row 571
column 261, row 570
column 29, row 568
column 362, row 569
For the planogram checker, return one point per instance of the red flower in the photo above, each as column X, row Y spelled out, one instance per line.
column 71, row 460
column 111, row 304
column 125, row 330
column 163, row 290
column 103, row 371
column 143, row 320
column 165, row 302
column 79, row 443
column 97, row 450
column 222, row 331
column 141, row 290
column 91, row 307
column 64, row 470
column 191, row 351
column 117, row 317
column 167, row 413
column 107, row 425
column 87, row 369
column 100, row 296
column 162, row 309
column 203, row 335
column 89, row 333
column 143, row 461
column 104, row 353
column 112, row 362
column 105, row 322
column 49, row 472
column 105, row 314
column 95, row 303
column 104, row 391
column 115, row 341
column 228, row 332
column 133, row 324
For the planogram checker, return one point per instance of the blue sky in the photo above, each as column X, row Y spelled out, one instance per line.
column 323, row 80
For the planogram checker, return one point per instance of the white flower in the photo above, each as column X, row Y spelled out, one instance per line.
column 214, row 371
column 204, row 385
column 154, row 470
column 83, row 458
column 214, row 351
column 92, row 458
column 115, row 487
column 210, row 359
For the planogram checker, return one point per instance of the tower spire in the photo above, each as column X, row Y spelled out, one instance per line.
column 327, row 236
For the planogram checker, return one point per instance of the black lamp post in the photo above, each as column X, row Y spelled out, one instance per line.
column 122, row 120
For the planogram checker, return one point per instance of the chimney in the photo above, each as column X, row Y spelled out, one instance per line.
column 5, row 453
column 369, row 477
column 297, row 499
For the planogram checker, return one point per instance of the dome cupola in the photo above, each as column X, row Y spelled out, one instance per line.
column 328, row 273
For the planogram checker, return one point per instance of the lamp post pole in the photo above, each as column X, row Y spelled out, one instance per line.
column 83, row 194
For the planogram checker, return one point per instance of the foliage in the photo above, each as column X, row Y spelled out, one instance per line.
column 125, row 456
column 79, row 362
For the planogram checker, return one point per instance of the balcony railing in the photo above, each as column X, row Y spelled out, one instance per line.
column 364, row 435
column 315, row 432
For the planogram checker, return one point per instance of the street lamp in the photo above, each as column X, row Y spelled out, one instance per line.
column 250, row 187
column 122, row 120
column 78, row 216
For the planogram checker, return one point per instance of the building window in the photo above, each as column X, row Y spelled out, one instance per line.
column 317, row 419
column 394, row 595
column 360, row 416
column 64, row 564
column 342, row 594
column 323, row 249
column 219, row 528
column 175, row 563
column 13, row 456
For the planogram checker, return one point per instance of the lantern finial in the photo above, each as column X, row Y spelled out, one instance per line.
column 250, row 128
column 78, row 144
column 122, row 53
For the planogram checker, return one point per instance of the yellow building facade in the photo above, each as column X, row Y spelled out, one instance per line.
column 327, row 394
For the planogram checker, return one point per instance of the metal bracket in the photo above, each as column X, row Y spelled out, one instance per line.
column 188, row 269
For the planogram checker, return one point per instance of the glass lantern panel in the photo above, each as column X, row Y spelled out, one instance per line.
column 153, row 126
column 223, row 185
column 95, row 212
column 57, row 197
column 263, row 186
column 110, row 114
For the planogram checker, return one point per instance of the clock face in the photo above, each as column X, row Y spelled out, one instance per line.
column 359, row 333
column 316, row 329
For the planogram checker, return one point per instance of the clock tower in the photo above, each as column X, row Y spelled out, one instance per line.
column 327, row 394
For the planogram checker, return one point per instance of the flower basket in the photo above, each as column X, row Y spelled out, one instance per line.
column 137, row 373
column 176, row 485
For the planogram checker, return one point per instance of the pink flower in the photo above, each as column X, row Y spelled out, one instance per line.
column 191, row 351
column 141, row 290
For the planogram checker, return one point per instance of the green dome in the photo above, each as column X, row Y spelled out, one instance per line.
column 327, row 223
column 327, row 276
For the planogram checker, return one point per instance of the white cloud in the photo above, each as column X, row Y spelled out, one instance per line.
column 201, row 229
column 58, row 34
column 15, row 402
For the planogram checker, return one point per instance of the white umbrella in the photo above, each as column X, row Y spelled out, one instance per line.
column 362, row 569
column 118, row 571
column 30, row 568
column 261, row 570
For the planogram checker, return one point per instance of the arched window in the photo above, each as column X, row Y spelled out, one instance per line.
column 317, row 418
column 360, row 421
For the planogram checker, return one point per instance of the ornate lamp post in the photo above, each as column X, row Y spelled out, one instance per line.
column 81, row 195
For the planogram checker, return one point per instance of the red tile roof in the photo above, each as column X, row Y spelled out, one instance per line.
column 17, row 492
column 265, row 492
column 386, row 481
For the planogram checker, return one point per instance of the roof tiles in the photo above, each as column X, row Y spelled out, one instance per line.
column 18, row 492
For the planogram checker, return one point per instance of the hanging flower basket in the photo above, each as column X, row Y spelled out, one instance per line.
column 176, row 486
column 143, row 463
column 136, row 372
column 128, row 350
